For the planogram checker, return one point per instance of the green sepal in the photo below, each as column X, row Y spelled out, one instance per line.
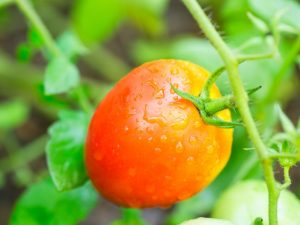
column 207, row 117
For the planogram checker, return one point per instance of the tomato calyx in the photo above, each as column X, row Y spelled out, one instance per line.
column 208, row 107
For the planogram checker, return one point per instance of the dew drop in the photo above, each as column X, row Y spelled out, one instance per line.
column 163, row 138
column 174, row 71
column 193, row 140
column 126, row 128
column 150, row 139
column 149, row 129
column 210, row 149
column 157, row 149
column 190, row 159
column 159, row 94
column 179, row 147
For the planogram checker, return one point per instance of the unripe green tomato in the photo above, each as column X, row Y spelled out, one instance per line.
column 244, row 202
column 206, row 221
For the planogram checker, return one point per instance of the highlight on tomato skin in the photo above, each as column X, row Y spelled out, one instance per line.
column 148, row 147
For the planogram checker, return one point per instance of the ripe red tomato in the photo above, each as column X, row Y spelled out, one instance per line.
column 148, row 147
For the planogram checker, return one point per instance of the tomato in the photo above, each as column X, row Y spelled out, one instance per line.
column 247, row 200
column 148, row 147
column 206, row 221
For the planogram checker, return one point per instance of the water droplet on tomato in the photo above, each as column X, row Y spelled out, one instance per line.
column 126, row 128
column 210, row 149
column 179, row 147
column 190, row 159
column 174, row 71
column 163, row 138
column 193, row 139
column 150, row 139
column 159, row 94
column 157, row 149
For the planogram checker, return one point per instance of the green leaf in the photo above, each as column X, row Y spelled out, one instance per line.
column 130, row 217
column 60, row 76
column 96, row 20
column 70, row 45
column 65, row 150
column 269, row 9
column 13, row 114
column 24, row 52
column 42, row 204
column 192, row 49
column 34, row 38
column 258, row 221
column 146, row 15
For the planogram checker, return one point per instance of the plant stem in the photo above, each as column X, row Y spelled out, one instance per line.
column 288, row 60
column 241, row 97
column 28, row 10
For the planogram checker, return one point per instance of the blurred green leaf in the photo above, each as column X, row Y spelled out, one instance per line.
column 157, row 7
column 269, row 9
column 70, row 45
column 130, row 217
column 34, row 38
column 65, row 150
column 13, row 114
column 24, row 52
column 201, row 52
column 42, row 204
column 192, row 49
column 96, row 20
column 60, row 76
column 146, row 15
column 258, row 221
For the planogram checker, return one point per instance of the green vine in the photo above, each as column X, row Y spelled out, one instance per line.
column 241, row 99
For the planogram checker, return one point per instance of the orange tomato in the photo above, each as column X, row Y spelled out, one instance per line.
column 148, row 147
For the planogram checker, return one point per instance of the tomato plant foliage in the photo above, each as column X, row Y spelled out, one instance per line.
column 65, row 149
column 43, row 204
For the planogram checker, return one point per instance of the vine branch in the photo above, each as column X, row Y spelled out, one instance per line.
column 241, row 97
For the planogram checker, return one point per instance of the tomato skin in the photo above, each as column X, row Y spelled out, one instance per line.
column 148, row 147
column 243, row 202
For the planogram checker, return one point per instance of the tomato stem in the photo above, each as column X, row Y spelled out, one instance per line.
column 28, row 10
column 241, row 97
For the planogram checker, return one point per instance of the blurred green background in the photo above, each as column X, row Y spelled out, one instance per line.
column 106, row 39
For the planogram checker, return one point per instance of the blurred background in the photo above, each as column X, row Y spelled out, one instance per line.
column 107, row 40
